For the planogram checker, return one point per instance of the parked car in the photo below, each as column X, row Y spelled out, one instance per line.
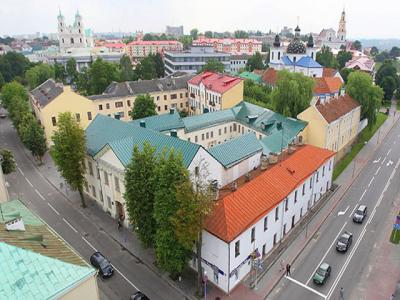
column 322, row 274
column 2, row 115
column 360, row 214
column 139, row 296
column 102, row 264
column 344, row 241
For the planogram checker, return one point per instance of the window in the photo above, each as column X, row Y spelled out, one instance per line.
column 186, row 94
column 181, row 105
column 116, row 180
column 238, row 128
column 212, row 134
column 317, row 176
column 98, row 173
column 195, row 139
column 89, row 115
column 128, row 102
column 216, row 277
column 90, row 168
column 253, row 234
column 94, row 191
column 121, row 114
column 234, row 126
column 188, row 139
column 295, row 195
column 277, row 213
column 105, row 178
column 202, row 136
column 304, row 189
column 158, row 108
column 107, row 105
column 165, row 97
column 119, row 104
column 207, row 135
column 54, row 121
column 266, row 223
column 109, row 201
column 264, row 250
column 196, row 170
column 230, row 128
column 166, row 107
column 174, row 96
column 225, row 130
column 86, row 186
column 275, row 239
column 181, row 95
column 310, row 182
column 220, row 131
column 323, row 171
column 237, row 248
column 78, row 117
column 286, row 204
column 158, row 98
column 330, row 165
column 100, row 107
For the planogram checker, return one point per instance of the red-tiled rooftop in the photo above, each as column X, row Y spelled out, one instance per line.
column 270, row 76
column 329, row 72
column 327, row 85
column 225, row 41
column 239, row 210
column 216, row 82
column 334, row 108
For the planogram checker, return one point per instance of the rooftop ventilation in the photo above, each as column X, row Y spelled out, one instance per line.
column 16, row 224
column 233, row 186
column 172, row 111
column 143, row 123
column 273, row 158
column 264, row 162
column 174, row 133
column 252, row 118
column 291, row 171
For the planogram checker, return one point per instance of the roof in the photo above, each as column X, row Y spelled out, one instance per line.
column 115, row 45
column 32, row 271
column 305, row 62
column 240, row 209
column 250, row 76
column 335, row 108
column 361, row 63
column 270, row 76
column 132, row 88
column 329, row 72
column 47, row 92
column 327, row 85
column 225, row 41
column 216, row 82
column 155, row 43
column 236, row 150
column 240, row 56
column 163, row 122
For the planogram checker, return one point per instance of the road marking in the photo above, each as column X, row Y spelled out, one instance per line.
column 51, row 206
column 383, row 160
column 326, row 253
column 352, row 212
column 389, row 163
column 305, row 286
column 372, row 179
column 19, row 169
column 341, row 213
column 362, row 196
column 90, row 245
column 376, row 172
column 377, row 160
column 390, row 150
column 72, row 227
column 120, row 273
column 28, row 181
column 40, row 195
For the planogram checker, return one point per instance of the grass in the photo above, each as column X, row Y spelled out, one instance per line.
column 364, row 136
column 398, row 105
column 395, row 237
column 386, row 103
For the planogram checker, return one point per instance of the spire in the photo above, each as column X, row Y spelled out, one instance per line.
column 342, row 22
column 77, row 13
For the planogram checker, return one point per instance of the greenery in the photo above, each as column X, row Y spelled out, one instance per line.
column 11, row 90
column 356, row 45
column 69, row 152
column 382, row 56
column 394, row 52
column 186, row 41
column 13, row 66
column 374, row 51
column 39, row 74
column 241, row 34
column 153, row 37
column 213, row 65
column 343, row 57
column 363, row 137
column 345, row 74
column 292, row 94
column 60, row 73
column 255, row 62
column 194, row 33
column 386, row 77
column 8, row 164
column 70, row 68
column 101, row 74
column 159, row 64
column 126, row 69
column 395, row 236
column 326, row 58
column 208, row 34
column 257, row 94
column 33, row 137
column 150, row 67
column 143, row 107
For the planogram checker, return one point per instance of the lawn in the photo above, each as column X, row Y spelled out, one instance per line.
column 386, row 103
column 364, row 136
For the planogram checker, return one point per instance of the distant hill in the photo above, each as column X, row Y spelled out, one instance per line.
column 381, row 44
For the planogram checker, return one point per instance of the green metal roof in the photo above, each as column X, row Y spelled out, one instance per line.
column 250, row 76
column 236, row 150
column 197, row 122
column 29, row 275
column 162, row 122
column 14, row 208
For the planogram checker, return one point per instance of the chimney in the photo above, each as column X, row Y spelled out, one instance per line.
column 174, row 133
column 143, row 123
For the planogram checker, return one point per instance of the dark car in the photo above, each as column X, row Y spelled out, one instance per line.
column 100, row 262
column 360, row 214
column 139, row 296
column 322, row 274
column 344, row 241
column 2, row 115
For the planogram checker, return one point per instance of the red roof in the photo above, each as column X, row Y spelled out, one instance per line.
column 115, row 45
column 334, row 108
column 216, row 82
column 239, row 210
column 329, row 72
column 158, row 43
column 269, row 76
column 327, row 85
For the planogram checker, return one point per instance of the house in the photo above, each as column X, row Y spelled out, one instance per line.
column 238, row 62
column 140, row 49
column 230, row 45
column 210, row 91
column 327, row 87
column 333, row 123
column 36, row 263
column 363, row 63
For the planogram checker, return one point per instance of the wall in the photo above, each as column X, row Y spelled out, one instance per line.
column 87, row 290
column 315, row 132
column 233, row 96
column 3, row 189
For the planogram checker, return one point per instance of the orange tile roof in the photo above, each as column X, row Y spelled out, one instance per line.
column 237, row 211
column 269, row 76
column 327, row 85
column 216, row 82
column 328, row 72
column 334, row 108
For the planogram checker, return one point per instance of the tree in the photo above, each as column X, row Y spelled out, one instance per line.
column 82, row 81
column 382, row 56
column 140, row 186
column 343, row 57
column 265, row 47
column 59, row 72
column 146, row 69
column 257, row 94
column 126, row 69
column 326, row 58
column 32, row 135
column 101, row 74
column 213, row 65
column 7, row 161
column 388, row 86
column 394, row 52
column 2, row 81
column 194, row 33
column 255, row 62
column 143, row 107
column 374, row 51
column 186, row 41
column 71, row 69
column 241, row 34
column 13, row 64
column 39, row 74
column 345, row 73
column 159, row 65
column 196, row 201
column 356, row 45
column 208, row 34
column 292, row 94
column 11, row 90
column 18, row 110
column 387, row 69
column 69, row 152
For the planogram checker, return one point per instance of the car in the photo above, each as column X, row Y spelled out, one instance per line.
column 322, row 274
column 99, row 261
column 360, row 214
column 139, row 296
column 2, row 115
column 344, row 241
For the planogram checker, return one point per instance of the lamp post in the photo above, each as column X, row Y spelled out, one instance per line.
column 205, row 284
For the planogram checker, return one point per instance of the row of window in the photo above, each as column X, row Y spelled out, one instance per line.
column 105, row 174
column 77, row 117
column 117, row 104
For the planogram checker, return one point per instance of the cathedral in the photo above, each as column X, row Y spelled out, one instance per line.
column 74, row 36
column 331, row 39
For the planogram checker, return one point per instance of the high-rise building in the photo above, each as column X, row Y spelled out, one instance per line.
column 176, row 31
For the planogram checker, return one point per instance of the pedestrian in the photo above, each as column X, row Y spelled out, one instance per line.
column 282, row 265
column 288, row 270
column 341, row 294
column 119, row 224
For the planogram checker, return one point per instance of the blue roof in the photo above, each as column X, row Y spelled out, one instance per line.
column 162, row 122
column 305, row 62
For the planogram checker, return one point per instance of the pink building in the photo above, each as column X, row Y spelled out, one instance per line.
column 138, row 49
column 232, row 46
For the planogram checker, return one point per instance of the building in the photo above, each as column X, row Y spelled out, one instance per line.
column 211, row 91
column 296, row 57
column 230, row 45
column 331, row 39
column 140, row 49
column 191, row 61
column 3, row 185
column 363, row 63
column 73, row 36
column 4, row 49
column 36, row 263
column 175, row 31
column 50, row 99
column 238, row 63
column 333, row 123
column 251, row 218
column 119, row 98
column 328, row 87
column 251, row 76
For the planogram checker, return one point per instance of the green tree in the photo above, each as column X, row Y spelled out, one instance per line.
column 292, row 94
column 146, row 69
column 32, row 135
column 11, row 90
column 394, row 52
column 69, row 152
column 343, row 57
column 101, row 74
column 213, row 65
column 194, row 33
column 241, row 34
column 7, row 161
column 82, row 81
column 39, row 74
column 143, row 107
column 186, row 41
column 72, row 73
column 159, row 65
column 13, row 64
column 356, row 45
column 149, row 37
column 18, row 110
column 59, row 72
column 374, row 51
column 2, row 81
column 126, row 69
column 265, row 47
column 388, row 86
column 382, row 56
column 255, row 62
column 387, row 69
column 257, row 94
column 345, row 73
column 208, row 34
column 140, row 186
column 326, row 58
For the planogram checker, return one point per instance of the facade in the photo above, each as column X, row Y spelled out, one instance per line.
column 333, row 123
column 191, row 61
column 238, row 63
column 211, row 91
column 250, row 219
column 176, row 31
column 363, row 63
column 37, row 263
column 230, row 45
column 331, row 39
column 140, row 49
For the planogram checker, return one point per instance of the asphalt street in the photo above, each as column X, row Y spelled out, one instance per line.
column 29, row 185
column 377, row 186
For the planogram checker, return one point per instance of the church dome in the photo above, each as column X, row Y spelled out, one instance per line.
column 296, row 47
column 277, row 41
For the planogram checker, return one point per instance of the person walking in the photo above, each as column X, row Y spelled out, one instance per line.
column 288, row 270
column 341, row 294
column 119, row 224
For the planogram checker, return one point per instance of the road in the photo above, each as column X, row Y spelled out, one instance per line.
column 29, row 185
column 377, row 186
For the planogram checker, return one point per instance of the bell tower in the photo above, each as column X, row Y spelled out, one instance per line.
column 341, row 34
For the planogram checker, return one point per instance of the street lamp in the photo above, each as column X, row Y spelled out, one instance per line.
column 205, row 284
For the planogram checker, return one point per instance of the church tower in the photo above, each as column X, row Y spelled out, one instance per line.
column 341, row 34
column 61, row 28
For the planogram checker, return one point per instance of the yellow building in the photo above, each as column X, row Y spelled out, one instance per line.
column 332, row 124
column 50, row 99
column 211, row 91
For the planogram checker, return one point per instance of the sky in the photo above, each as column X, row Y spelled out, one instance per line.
column 365, row 18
